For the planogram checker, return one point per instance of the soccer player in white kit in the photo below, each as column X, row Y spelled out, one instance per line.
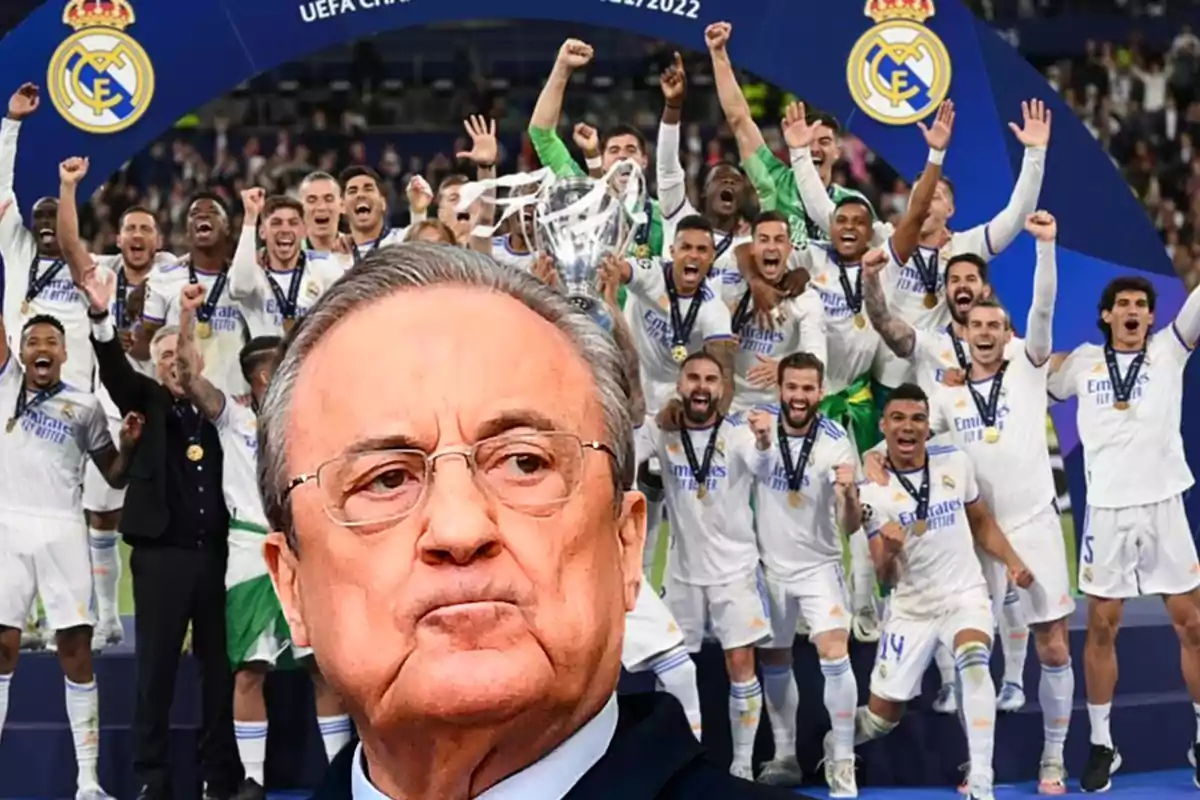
column 924, row 526
column 364, row 203
column 50, row 429
column 1136, row 540
column 712, row 570
column 273, row 296
column 998, row 418
column 254, row 648
column 806, row 496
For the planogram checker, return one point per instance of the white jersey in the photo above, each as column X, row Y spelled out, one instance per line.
column 793, row 542
column 261, row 308
column 42, row 459
column 1133, row 457
column 851, row 348
column 712, row 538
column 648, row 311
column 938, row 351
column 502, row 251
column 389, row 237
column 237, row 426
column 1014, row 473
column 907, row 284
column 802, row 329
column 222, row 348
column 940, row 565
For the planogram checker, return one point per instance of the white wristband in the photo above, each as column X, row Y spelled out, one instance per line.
column 936, row 157
column 596, row 162
column 798, row 153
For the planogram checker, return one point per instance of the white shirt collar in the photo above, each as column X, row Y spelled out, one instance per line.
column 549, row 778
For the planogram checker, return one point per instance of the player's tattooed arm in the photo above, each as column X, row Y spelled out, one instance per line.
column 188, row 363
column 897, row 334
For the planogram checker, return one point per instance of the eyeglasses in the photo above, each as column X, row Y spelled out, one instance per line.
column 534, row 473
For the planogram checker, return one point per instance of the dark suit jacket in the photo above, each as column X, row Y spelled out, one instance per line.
column 653, row 755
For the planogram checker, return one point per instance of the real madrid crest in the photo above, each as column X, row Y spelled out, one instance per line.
column 100, row 80
column 899, row 70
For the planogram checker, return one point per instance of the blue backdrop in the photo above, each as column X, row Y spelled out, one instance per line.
column 200, row 49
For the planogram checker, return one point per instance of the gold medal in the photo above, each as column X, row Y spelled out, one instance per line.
column 920, row 527
column 991, row 434
column 860, row 321
column 642, row 251
column 795, row 500
column 931, row 300
column 702, row 492
column 204, row 329
column 679, row 353
column 288, row 324
column 195, row 452
column 10, row 425
column 25, row 308
column 1121, row 405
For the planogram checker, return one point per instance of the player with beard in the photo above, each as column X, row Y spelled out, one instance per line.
column 622, row 142
column 798, row 325
column 274, row 296
column 925, row 525
column 917, row 295
column 998, row 418
column 51, row 429
column 724, row 186
column 364, row 204
column 806, row 487
column 221, row 325
column 1136, row 540
column 770, row 177
column 708, row 471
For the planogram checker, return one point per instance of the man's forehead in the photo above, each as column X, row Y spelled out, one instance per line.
column 43, row 329
column 360, row 183
column 321, row 187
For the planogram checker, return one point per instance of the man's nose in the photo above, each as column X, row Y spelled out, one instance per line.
column 458, row 526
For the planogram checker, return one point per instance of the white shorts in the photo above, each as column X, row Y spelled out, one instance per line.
column 649, row 630
column 1039, row 543
column 1140, row 550
column 269, row 647
column 737, row 612
column 97, row 494
column 49, row 558
column 818, row 597
column 907, row 645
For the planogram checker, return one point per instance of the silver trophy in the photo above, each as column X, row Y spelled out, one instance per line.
column 578, row 221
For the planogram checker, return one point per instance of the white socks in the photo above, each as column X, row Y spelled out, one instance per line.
column 676, row 673
column 335, row 733
column 783, row 703
column 862, row 571
column 745, row 711
column 841, row 694
column 978, row 710
column 1055, row 694
column 945, row 665
column 1098, row 716
column 83, row 713
column 106, row 572
column 252, row 748
column 868, row 726
column 5, row 682
column 1014, row 635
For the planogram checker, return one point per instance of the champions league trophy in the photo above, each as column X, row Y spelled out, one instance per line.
column 579, row 221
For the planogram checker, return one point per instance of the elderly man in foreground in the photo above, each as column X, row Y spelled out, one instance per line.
column 456, row 540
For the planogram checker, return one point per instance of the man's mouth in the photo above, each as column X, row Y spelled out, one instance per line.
column 204, row 227
column 42, row 365
column 818, row 160
column 985, row 347
column 285, row 240
column 963, row 300
column 321, row 219
column 46, row 235
column 362, row 209
column 463, row 216
column 691, row 271
column 1132, row 325
column 848, row 237
column 906, row 441
column 798, row 408
column 700, row 401
column 727, row 196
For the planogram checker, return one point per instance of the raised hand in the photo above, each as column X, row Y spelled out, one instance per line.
column 192, row 297
column 253, row 200
column 586, row 138
column 673, row 82
column 875, row 469
column 131, row 429
column 1042, row 225
column 99, row 287
column 1035, row 130
column 937, row 136
column 72, row 171
column 485, row 149
column 796, row 130
column 420, row 195
column 761, row 424
column 843, row 477
column 764, row 374
column 875, row 260
column 24, row 102
column 670, row 418
column 954, row 377
column 544, row 270
column 716, row 36
column 574, row 54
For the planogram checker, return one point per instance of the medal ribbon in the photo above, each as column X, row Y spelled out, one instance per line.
column 641, row 237
column 371, row 246
column 121, row 298
column 921, row 495
column 963, row 362
column 723, row 247
column 988, row 408
column 854, row 296
column 38, row 283
column 795, row 471
column 927, row 270
column 24, row 404
column 205, row 312
column 681, row 324
column 741, row 314
column 1123, row 387
column 288, row 303
column 700, row 469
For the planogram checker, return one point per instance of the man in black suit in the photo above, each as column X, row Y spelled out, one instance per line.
column 456, row 539
column 176, row 521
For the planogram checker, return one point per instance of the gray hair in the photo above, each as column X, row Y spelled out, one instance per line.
column 313, row 177
column 413, row 266
column 156, row 340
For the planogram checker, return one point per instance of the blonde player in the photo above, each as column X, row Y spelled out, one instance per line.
column 998, row 418
column 806, row 488
column 1136, row 540
column 274, row 296
column 798, row 323
column 321, row 197
column 712, row 572
column 254, row 648
column 50, row 430
column 924, row 525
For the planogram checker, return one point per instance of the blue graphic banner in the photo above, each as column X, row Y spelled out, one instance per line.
column 119, row 73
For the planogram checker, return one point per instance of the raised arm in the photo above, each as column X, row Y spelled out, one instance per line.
column 74, row 251
column 17, row 244
column 484, row 152
column 245, row 273
column 845, row 490
column 610, row 285
column 908, row 233
column 188, row 362
column 897, row 334
column 127, row 387
column 543, row 123
column 733, row 102
column 1187, row 321
column 672, row 180
column 1039, row 339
